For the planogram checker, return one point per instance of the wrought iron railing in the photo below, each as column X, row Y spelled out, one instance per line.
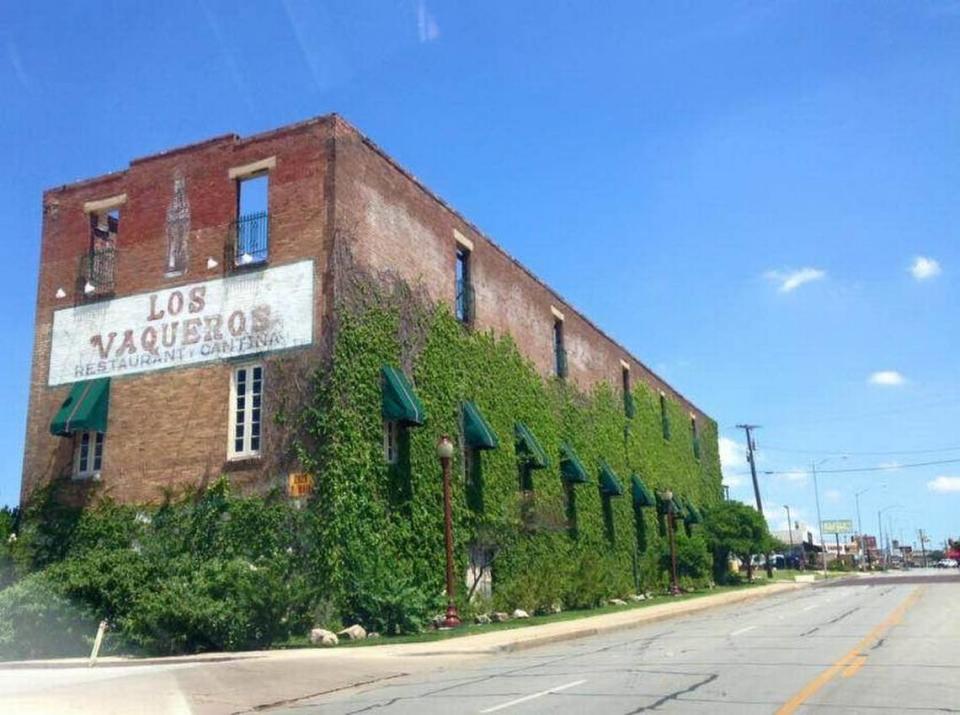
column 97, row 273
column 249, row 240
column 465, row 302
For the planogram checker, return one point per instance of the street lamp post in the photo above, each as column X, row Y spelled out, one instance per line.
column 884, row 552
column 789, row 528
column 671, row 528
column 445, row 453
column 816, row 491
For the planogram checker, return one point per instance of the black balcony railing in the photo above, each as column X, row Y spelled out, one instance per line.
column 97, row 273
column 249, row 240
column 465, row 302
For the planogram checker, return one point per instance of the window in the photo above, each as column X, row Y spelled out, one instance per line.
column 391, row 441
column 246, row 395
column 464, row 306
column 559, row 350
column 88, row 454
column 664, row 417
column 628, row 406
column 97, row 269
column 252, row 229
column 695, row 432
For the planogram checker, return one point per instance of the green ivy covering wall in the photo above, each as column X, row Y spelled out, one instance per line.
column 383, row 523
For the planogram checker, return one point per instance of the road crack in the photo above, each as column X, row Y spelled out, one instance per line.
column 675, row 694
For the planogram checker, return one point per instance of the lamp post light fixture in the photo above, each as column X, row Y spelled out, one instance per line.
column 789, row 528
column 445, row 454
column 671, row 529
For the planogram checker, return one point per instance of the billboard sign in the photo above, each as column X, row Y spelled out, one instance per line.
column 838, row 526
column 245, row 314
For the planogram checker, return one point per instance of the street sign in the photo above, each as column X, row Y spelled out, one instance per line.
column 838, row 526
column 299, row 485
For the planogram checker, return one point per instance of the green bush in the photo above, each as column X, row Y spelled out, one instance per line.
column 37, row 621
column 694, row 562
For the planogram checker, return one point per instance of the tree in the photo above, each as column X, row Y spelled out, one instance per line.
column 733, row 528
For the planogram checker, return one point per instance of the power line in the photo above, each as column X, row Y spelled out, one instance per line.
column 827, row 452
column 882, row 468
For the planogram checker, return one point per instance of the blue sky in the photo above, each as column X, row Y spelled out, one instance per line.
column 737, row 191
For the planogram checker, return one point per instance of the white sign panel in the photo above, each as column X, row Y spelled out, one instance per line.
column 245, row 314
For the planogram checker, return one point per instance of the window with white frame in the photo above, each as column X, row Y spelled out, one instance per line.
column 88, row 454
column 246, row 393
column 391, row 441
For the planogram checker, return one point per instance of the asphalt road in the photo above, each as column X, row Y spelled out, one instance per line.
column 888, row 644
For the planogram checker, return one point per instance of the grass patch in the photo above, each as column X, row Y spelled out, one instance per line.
column 471, row 629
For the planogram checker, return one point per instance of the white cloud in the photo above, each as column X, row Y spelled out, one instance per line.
column 832, row 495
column 792, row 279
column 944, row 485
column 793, row 475
column 427, row 28
column 887, row 378
column 733, row 462
column 924, row 268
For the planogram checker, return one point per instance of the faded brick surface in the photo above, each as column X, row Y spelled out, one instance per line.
column 169, row 428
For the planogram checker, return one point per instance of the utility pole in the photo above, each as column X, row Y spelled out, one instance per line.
column 748, row 430
column 860, row 527
column 923, row 548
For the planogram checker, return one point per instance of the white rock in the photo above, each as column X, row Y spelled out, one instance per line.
column 499, row 617
column 617, row 602
column 482, row 619
column 520, row 613
column 556, row 607
column 321, row 636
column 638, row 597
column 355, row 632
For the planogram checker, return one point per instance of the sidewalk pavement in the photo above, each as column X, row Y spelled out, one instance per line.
column 225, row 684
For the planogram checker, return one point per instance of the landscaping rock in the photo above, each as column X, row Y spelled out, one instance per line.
column 556, row 607
column 356, row 632
column 500, row 617
column 372, row 634
column 520, row 613
column 637, row 597
column 323, row 637
column 617, row 602
column 482, row 619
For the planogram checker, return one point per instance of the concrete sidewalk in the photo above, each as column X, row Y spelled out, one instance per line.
column 221, row 684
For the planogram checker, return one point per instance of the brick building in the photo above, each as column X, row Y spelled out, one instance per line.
column 170, row 291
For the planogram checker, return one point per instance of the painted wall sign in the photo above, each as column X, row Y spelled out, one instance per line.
column 245, row 314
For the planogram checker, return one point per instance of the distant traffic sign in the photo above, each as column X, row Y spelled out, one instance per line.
column 838, row 526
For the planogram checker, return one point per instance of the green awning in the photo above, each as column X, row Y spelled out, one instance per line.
column 571, row 468
column 609, row 481
column 528, row 448
column 642, row 496
column 400, row 402
column 693, row 515
column 85, row 408
column 476, row 432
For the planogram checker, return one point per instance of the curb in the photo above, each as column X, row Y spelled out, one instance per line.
column 120, row 662
column 642, row 620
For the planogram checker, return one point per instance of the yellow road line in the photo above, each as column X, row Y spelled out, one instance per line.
column 850, row 663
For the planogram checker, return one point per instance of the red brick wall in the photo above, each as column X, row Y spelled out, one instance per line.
column 170, row 427
column 397, row 224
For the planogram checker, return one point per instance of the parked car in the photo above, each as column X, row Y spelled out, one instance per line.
column 947, row 564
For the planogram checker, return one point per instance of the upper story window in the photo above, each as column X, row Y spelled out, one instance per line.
column 628, row 407
column 464, row 306
column 250, row 234
column 695, row 434
column 559, row 348
column 664, row 416
column 97, row 269
column 246, row 394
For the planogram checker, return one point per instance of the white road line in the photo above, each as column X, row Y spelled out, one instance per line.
column 811, row 606
column 743, row 630
column 524, row 699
